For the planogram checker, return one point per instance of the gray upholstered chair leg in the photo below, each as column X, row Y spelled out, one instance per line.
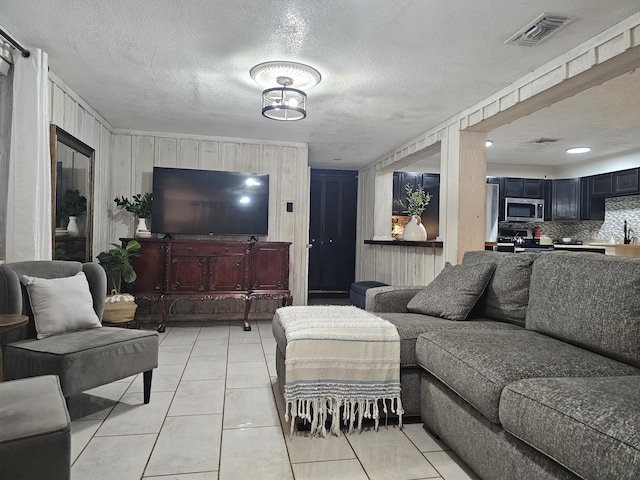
column 146, row 379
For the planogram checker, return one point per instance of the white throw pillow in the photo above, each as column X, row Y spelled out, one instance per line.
column 61, row 304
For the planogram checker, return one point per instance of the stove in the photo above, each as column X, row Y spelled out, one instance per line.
column 520, row 241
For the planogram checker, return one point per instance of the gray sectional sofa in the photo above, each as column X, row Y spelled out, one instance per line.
column 541, row 378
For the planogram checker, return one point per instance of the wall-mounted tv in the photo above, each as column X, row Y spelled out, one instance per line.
column 209, row 202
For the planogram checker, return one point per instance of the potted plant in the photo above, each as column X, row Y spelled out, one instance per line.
column 73, row 205
column 118, row 307
column 417, row 201
column 140, row 205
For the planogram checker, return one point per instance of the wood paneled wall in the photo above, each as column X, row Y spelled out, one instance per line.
column 124, row 162
column 135, row 154
column 391, row 264
column 71, row 113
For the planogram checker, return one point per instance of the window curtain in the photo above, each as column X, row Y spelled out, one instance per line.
column 6, row 101
column 29, row 192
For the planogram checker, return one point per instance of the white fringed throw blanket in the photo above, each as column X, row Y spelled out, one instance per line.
column 339, row 358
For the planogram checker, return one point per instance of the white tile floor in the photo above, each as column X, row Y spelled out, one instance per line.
column 213, row 415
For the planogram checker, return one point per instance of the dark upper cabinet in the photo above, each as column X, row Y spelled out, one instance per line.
column 602, row 185
column 400, row 182
column 431, row 216
column 524, row 187
column 585, row 199
column 566, row 199
column 625, row 182
column 548, row 200
column 513, row 187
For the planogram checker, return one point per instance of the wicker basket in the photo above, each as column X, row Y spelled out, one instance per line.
column 119, row 308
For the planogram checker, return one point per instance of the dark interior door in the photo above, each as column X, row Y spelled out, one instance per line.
column 332, row 231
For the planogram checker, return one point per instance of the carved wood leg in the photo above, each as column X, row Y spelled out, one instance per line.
column 247, row 307
column 163, row 311
column 146, row 381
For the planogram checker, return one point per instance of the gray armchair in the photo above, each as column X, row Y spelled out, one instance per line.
column 82, row 359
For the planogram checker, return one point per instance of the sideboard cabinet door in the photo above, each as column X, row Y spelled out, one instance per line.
column 270, row 266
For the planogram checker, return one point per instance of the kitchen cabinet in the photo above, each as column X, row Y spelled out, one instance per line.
column 585, row 199
column 602, row 185
column 204, row 270
column 400, row 182
column 566, row 199
column 625, row 182
column 523, row 187
column 431, row 216
column 591, row 207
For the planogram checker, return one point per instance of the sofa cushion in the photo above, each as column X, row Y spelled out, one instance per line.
column 478, row 364
column 589, row 425
column 411, row 325
column 454, row 292
column 61, row 304
column 507, row 295
column 590, row 300
column 81, row 358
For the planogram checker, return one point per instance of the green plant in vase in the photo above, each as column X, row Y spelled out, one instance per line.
column 417, row 202
column 73, row 205
column 140, row 205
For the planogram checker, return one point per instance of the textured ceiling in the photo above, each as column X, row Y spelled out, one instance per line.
column 390, row 69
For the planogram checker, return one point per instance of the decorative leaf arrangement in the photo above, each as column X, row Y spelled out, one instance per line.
column 73, row 204
column 417, row 200
column 116, row 262
column 140, row 205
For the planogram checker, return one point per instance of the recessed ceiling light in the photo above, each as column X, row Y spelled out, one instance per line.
column 578, row 149
column 488, row 143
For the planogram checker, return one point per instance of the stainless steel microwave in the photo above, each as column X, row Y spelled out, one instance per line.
column 524, row 210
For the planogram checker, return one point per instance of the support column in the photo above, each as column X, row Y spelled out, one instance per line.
column 463, row 167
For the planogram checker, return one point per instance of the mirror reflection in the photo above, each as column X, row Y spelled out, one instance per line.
column 72, row 192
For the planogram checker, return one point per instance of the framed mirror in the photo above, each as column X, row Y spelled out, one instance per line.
column 72, row 163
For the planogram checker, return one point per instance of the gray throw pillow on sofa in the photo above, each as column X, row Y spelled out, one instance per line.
column 507, row 295
column 454, row 292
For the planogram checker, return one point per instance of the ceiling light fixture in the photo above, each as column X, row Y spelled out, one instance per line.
column 284, row 102
column 488, row 143
column 578, row 149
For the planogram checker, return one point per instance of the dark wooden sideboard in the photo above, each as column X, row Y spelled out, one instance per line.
column 209, row 270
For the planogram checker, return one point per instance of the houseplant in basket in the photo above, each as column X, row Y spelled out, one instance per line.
column 118, row 307
column 417, row 202
column 140, row 205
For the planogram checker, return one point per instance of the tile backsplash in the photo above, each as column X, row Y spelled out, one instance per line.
column 617, row 210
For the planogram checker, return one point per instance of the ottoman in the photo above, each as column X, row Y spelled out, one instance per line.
column 35, row 438
column 333, row 359
column 358, row 292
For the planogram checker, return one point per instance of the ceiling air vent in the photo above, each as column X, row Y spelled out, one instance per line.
column 538, row 30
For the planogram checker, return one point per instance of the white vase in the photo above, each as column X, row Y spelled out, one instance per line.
column 414, row 231
column 72, row 227
column 142, row 231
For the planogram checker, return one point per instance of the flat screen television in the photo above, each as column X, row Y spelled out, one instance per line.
column 209, row 202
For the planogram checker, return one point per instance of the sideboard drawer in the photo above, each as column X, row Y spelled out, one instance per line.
column 208, row 248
